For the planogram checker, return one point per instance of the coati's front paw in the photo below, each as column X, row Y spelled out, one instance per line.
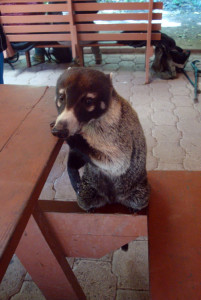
column 89, row 204
column 85, row 204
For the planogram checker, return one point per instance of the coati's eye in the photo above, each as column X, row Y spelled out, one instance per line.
column 60, row 100
column 61, row 97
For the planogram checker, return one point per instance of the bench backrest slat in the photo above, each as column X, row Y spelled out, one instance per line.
column 38, row 28
column 34, row 8
column 116, row 17
column 118, row 37
column 115, row 6
column 113, row 21
column 37, row 22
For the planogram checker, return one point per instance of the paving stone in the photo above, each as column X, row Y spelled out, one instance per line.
column 164, row 118
column 139, row 90
column 139, row 77
column 29, row 291
column 144, row 112
column 140, row 99
column 197, row 106
column 150, row 140
column 190, row 129
column 123, row 89
column 96, row 279
column 170, row 166
column 152, row 161
column 162, row 105
column 192, row 163
column 59, row 165
column 164, row 97
column 181, row 100
column 166, row 133
column 63, row 188
column 12, row 280
column 179, row 90
column 131, row 267
column 160, row 89
column 193, row 149
column 132, row 295
column 124, row 77
column 28, row 277
column 71, row 261
column 48, row 192
column 187, row 114
column 107, row 258
column 113, row 59
column 180, row 80
column 128, row 57
column 110, row 67
column 171, row 155
column 140, row 58
column 146, row 122
column 127, row 65
column 159, row 84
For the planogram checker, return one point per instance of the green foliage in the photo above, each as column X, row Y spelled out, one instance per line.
column 183, row 2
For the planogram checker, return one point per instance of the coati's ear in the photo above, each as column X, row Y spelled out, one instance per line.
column 69, row 68
column 109, row 76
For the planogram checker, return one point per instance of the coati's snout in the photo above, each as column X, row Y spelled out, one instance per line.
column 60, row 130
column 81, row 95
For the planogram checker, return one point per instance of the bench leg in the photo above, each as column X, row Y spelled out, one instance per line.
column 149, row 53
column 81, row 56
column 42, row 257
column 28, row 60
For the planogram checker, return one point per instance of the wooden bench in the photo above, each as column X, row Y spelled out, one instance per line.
column 29, row 21
column 111, row 21
column 82, row 23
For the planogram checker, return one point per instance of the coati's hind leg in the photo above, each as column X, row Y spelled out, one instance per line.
column 90, row 195
column 138, row 198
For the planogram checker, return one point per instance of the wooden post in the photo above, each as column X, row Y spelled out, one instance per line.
column 149, row 49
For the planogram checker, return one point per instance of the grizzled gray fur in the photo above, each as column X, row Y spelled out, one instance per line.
column 105, row 136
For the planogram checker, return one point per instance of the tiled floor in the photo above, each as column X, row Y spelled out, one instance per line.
column 172, row 126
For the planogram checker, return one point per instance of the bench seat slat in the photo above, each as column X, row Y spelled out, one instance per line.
column 104, row 27
column 39, row 37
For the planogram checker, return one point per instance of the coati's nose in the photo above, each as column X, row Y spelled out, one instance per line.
column 60, row 130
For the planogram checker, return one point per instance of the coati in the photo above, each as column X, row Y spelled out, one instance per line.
column 105, row 136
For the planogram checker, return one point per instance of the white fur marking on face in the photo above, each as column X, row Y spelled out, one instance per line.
column 90, row 108
column 91, row 95
column 68, row 116
column 103, row 106
column 61, row 92
column 58, row 103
